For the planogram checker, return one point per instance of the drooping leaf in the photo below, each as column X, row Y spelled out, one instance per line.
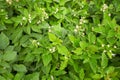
column 104, row 61
column 82, row 74
column 4, row 41
column 46, row 59
column 93, row 64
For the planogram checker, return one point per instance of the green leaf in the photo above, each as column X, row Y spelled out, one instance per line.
column 110, row 69
column 2, row 78
column 72, row 38
column 96, row 76
column 19, row 68
column 4, row 41
column 52, row 37
column 46, row 59
column 59, row 72
column 111, row 33
column 2, row 27
column 18, row 76
column 27, row 29
column 81, row 74
column 104, row 61
column 63, row 64
column 91, row 37
column 10, row 55
column 33, row 76
column 93, row 64
column 78, row 51
column 16, row 35
column 83, row 44
column 62, row 50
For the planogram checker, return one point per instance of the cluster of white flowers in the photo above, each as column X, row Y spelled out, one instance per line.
column 9, row 1
column 45, row 15
column 79, row 29
column 82, row 20
column 104, row 7
column 103, row 45
column 29, row 18
column 49, row 28
column 35, row 43
column 53, row 49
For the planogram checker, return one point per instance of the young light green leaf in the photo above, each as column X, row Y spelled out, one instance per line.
column 59, row 72
column 104, row 61
column 62, row 50
column 10, row 55
column 72, row 38
column 46, row 59
column 52, row 37
column 63, row 64
column 4, row 41
column 19, row 68
column 78, row 51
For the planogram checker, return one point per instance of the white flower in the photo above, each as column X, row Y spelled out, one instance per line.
column 77, row 26
column 38, row 43
column 24, row 18
column 52, row 49
column 75, row 30
column 39, row 22
column 49, row 30
column 109, row 14
column 103, row 45
column 115, row 46
column 104, row 7
column 104, row 51
column 110, row 51
column 108, row 45
column 113, row 55
column 9, row 1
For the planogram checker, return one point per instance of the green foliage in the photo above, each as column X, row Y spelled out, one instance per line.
column 59, row 39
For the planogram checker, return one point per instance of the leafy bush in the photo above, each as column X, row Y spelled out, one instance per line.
column 59, row 39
